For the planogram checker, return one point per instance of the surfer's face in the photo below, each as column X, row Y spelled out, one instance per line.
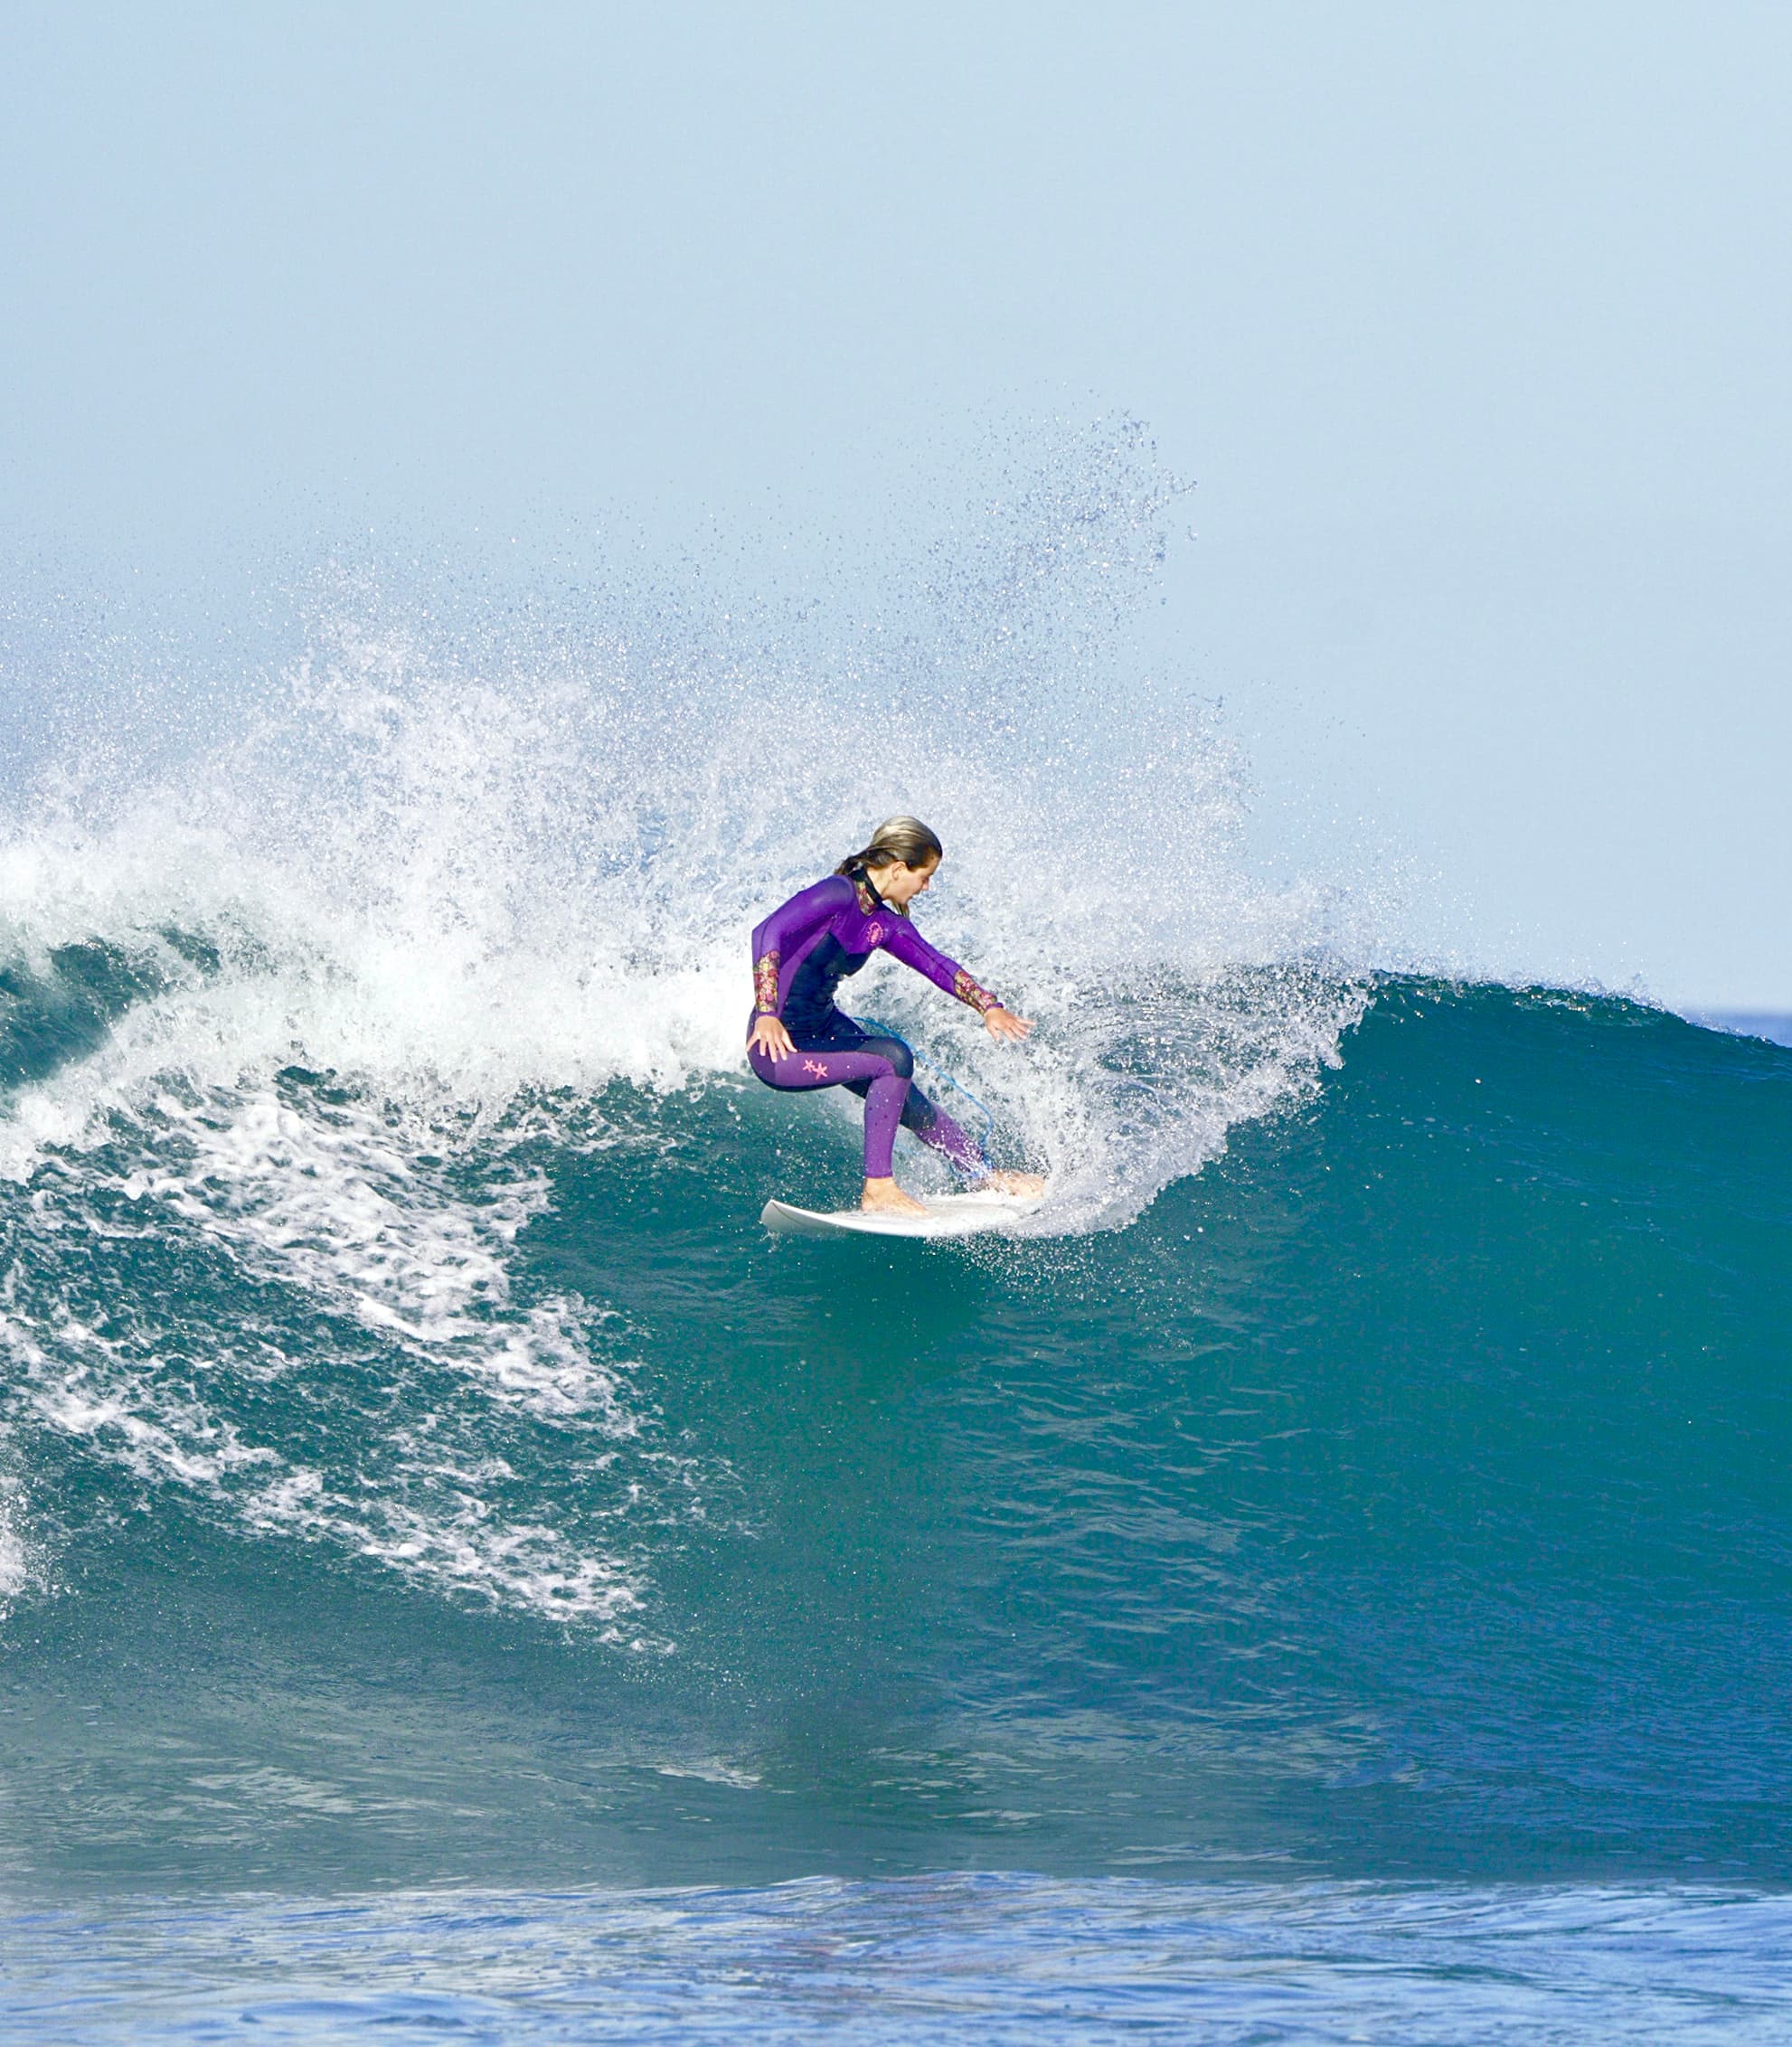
column 900, row 883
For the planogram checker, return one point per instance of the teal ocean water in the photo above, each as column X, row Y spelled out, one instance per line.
column 1325, row 1578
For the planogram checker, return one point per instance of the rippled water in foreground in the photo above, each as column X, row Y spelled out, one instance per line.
column 972, row 1957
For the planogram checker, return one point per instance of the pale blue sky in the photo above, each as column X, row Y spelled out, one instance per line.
column 1470, row 321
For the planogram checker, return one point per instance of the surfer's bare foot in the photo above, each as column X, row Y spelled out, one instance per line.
column 884, row 1197
column 1027, row 1185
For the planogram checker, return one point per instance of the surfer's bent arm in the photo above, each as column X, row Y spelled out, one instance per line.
column 787, row 930
column 913, row 950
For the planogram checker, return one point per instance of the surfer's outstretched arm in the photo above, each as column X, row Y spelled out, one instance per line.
column 913, row 950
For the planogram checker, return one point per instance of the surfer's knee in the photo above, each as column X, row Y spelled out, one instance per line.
column 901, row 1060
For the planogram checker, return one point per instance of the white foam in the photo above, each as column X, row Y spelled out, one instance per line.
column 21, row 1555
column 416, row 1505
column 338, row 1205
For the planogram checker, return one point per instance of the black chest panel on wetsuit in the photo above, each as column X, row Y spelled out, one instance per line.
column 809, row 998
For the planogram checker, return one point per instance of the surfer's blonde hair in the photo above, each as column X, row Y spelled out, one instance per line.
column 906, row 839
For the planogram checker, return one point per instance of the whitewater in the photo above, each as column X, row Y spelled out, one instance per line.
column 1322, row 1576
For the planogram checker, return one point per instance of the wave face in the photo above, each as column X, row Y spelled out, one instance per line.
column 419, row 1466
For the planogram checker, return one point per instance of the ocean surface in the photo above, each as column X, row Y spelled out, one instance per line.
column 1325, row 1577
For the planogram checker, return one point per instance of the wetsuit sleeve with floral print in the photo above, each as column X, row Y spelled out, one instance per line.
column 908, row 945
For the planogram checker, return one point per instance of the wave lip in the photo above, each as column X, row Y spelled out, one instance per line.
column 1774, row 1025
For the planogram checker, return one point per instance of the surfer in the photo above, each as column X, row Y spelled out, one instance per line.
column 799, row 1039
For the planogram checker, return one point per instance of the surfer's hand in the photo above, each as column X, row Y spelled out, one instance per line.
column 1004, row 1023
column 771, row 1038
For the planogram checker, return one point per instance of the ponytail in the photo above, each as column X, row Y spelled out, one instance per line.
column 906, row 839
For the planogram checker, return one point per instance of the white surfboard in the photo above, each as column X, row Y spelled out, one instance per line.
column 948, row 1215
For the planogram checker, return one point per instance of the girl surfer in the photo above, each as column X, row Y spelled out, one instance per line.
column 802, row 953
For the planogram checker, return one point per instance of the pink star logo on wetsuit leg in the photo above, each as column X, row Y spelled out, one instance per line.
column 815, row 1067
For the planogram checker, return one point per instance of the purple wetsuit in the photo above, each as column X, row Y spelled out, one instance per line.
column 801, row 954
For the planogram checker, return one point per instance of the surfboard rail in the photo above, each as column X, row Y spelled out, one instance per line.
column 948, row 1215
